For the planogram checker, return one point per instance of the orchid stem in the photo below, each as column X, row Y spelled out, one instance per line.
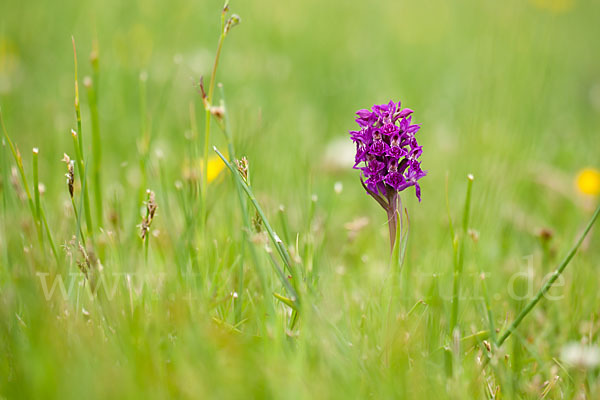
column 392, row 213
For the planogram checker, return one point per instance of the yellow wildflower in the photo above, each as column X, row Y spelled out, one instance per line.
column 588, row 181
column 215, row 166
column 192, row 171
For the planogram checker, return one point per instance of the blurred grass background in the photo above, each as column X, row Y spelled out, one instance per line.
column 508, row 91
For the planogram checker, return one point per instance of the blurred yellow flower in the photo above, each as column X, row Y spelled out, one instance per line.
column 192, row 171
column 9, row 65
column 588, row 181
column 215, row 166
column 555, row 6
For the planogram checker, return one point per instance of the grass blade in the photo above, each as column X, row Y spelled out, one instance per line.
column 277, row 242
column 559, row 270
column 459, row 260
column 19, row 160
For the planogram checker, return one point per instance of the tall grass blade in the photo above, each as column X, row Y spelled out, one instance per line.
column 546, row 287
column 19, row 162
column 78, row 137
column 458, row 266
column 277, row 242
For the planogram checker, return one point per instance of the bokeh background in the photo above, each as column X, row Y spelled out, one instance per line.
column 506, row 90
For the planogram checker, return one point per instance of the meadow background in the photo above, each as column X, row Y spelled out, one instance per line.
column 508, row 91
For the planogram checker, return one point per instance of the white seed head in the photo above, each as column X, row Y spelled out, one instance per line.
column 581, row 356
column 338, row 187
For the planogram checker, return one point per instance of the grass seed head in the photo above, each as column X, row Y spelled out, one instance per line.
column 151, row 208
column 231, row 22
column 70, row 173
column 242, row 167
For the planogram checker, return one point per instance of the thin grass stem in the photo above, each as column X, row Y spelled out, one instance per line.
column 207, row 105
column 238, row 302
column 78, row 221
column 19, row 162
column 277, row 242
column 247, row 242
column 36, row 192
column 3, row 187
column 41, row 216
column 546, row 287
column 82, row 179
column 204, row 187
column 144, row 139
column 79, row 149
column 488, row 308
column 96, row 146
column 77, row 107
column 458, row 266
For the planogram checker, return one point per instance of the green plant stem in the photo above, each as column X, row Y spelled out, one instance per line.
column 78, row 221
column 392, row 216
column 4, row 166
column 19, row 161
column 96, row 148
column 144, row 141
column 284, row 224
column 238, row 302
column 450, row 224
column 36, row 193
column 293, row 302
column 41, row 216
column 458, row 265
column 79, row 151
column 77, row 107
column 546, row 287
column 247, row 226
column 398, row 250
column 207, row 105
column 194, row 151
column 488, row 309
column 277, row 243
column 82, row 179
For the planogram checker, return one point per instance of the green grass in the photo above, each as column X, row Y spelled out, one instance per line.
column 281, row 285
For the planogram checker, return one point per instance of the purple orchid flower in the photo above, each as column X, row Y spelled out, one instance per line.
column 387, row 154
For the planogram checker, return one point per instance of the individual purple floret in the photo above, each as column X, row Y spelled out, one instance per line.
column 387, row 154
